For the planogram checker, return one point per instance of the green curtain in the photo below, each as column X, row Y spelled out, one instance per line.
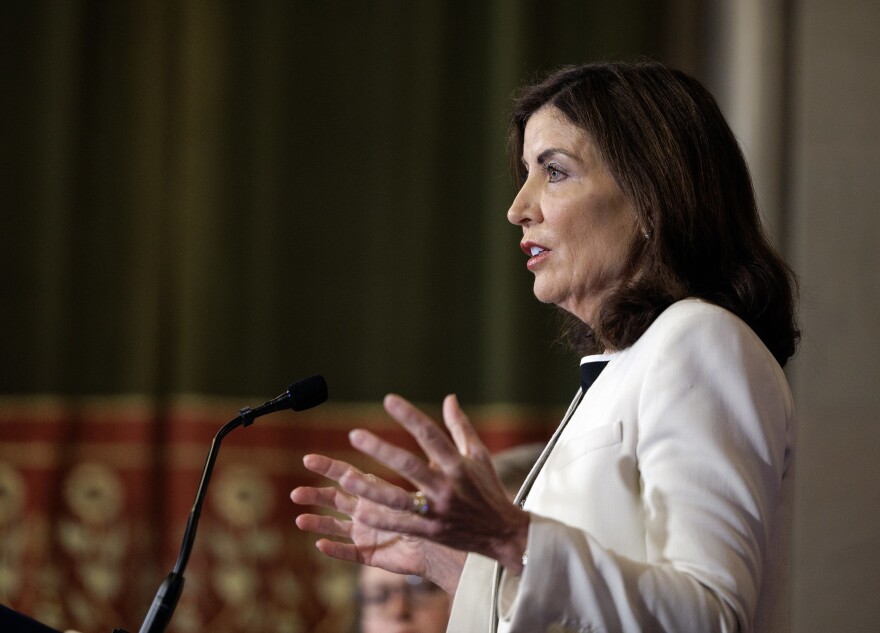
column 219, row 197
column 203, row 201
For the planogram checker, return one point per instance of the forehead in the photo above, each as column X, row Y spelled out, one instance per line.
column 549, row 128
column 372, row 576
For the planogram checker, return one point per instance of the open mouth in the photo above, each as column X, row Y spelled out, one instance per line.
column 535, row 252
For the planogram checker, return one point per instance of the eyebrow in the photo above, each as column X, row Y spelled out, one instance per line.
column 550, row 151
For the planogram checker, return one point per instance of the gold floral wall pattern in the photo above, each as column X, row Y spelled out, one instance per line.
column 92, row 513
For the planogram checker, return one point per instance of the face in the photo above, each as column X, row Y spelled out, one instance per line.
column 577, row 224
column 393, row 603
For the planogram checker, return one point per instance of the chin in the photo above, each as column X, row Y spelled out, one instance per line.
column 581, row 307
column 546, row 295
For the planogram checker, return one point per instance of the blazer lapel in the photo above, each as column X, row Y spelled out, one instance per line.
column 473, row 609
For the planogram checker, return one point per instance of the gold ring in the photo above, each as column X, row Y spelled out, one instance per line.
column 420, row 503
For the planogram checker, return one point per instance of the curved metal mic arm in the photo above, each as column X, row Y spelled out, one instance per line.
column 169, row 591
column 301, row 395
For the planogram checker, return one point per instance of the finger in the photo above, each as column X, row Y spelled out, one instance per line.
column 356, row 482
column 395, row 521
column 320, row 524
column 351, row 552
column 463, row 433
column 330, row 497
column 327, row 467
column 374, row 489
column 342, row 551
column 433, row 441
column 397, row 459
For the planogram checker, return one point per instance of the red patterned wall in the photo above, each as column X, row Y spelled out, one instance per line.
column 95, row 493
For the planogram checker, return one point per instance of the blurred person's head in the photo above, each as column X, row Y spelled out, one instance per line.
column 514, row 464
column 394, row 603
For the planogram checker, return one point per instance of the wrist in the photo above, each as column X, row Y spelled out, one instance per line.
column 444, row 568
column 512, row 554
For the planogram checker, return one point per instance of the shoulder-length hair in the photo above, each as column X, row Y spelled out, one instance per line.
column 667, row 145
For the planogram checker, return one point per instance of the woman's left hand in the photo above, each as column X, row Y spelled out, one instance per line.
column 467, row 506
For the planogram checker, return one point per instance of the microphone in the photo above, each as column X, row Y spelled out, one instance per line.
column 301, row 395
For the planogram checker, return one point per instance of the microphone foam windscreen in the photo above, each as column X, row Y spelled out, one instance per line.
column 307, row 393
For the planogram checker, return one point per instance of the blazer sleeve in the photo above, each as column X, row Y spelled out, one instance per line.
column 713, row 446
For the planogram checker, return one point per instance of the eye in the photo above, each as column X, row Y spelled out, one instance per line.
column 554, row 173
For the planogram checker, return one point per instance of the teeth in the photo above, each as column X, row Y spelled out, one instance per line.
column 537, row 250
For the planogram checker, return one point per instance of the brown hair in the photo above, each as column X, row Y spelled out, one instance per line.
column 667, row 145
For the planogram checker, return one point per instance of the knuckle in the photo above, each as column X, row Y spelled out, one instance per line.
column 478, row 452
column 443, row 500
column 424, row 433
column 348, row 478
column 410, row 463
column 434, row 529
column 457, row 470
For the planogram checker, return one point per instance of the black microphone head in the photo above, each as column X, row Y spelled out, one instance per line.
column 307, row 393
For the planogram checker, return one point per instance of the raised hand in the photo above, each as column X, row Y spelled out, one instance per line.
column 466, row 506
column 395, row 552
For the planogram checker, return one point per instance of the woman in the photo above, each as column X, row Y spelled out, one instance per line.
column 663, row 501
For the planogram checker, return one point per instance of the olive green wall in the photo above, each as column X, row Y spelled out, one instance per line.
column 218, row 197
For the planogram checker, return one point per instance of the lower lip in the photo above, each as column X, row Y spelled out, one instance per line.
column 537, row 259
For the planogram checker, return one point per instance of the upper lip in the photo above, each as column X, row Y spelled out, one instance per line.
column 528, row 245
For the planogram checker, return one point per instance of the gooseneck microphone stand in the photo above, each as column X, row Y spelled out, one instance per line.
column 169, row 591
column 301, row 395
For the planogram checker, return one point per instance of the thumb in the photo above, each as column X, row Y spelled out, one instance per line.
column 463, row 433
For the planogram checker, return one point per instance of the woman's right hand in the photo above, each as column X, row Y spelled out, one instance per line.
column 398, row 553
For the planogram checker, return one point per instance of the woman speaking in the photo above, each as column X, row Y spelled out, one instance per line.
column 663, row 500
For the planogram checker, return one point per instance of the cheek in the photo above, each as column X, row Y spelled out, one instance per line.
column 431, row 619
column 602, row 249
column 617, row 249
column 440, row 607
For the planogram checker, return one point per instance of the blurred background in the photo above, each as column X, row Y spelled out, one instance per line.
column 203, row 201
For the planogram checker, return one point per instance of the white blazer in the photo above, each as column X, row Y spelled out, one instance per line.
column 665, row 504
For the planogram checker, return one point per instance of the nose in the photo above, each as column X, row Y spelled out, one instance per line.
column 399, row 607
column 524, row 209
